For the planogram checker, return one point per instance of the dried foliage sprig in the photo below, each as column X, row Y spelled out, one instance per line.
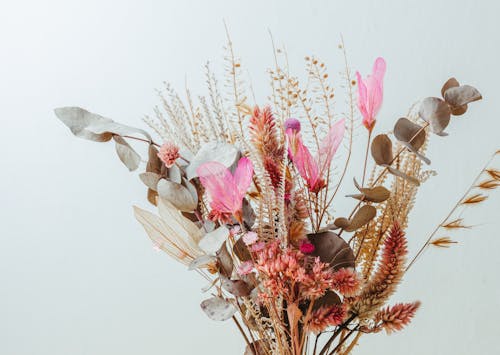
column 244, row 196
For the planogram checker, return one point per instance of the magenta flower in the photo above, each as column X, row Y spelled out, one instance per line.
column 311, row 169
column 226, row 190
column 370, row 93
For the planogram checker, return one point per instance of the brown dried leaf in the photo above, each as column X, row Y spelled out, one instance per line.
column 152, row 195
column 450, row 83
column 456, row 224
column 332, row 249
column 154, row 163
column 382, row 149
column 477, row 198
column 218, row 309
column 363, row 216
column 443, row 242
column 409, row 132
column 224, row 261
column 238, row 288
column 374, row 194
column 461, row 95
column 241, row 250
column 437, row 113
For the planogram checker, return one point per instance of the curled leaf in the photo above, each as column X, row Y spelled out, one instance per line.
column 411, row 135
column 126, row 153
column 238, row 288
column 437, row 113
column 382, row 149
column 91, row 126
column 461, row 95
column 375, row 194
column 177, row 194
column 450, row 83
column 224, row 153
column 332, row 249
column 362, row 216
column 218, row 309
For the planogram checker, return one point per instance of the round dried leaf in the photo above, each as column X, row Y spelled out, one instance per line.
column 150, row 179
column 450, row 83
column 239, row 288
column 382, row 149
column 437, row 113
column 459, row 111
column 409, row 132
column 332, row 249
column 218, row 309
column 177, row 195
column 461, row 95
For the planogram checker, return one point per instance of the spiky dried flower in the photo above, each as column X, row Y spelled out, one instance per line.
column 396, row 317
column 443, row 242
column 346, row 281
column 325, row 317
column 388, row 275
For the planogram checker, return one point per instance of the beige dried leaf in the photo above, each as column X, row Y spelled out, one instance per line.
column 177, row 194
column 375, row 194
column 364, row 215
column 126, row 153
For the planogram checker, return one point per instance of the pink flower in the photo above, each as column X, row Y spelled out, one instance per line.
column 258, row 247
column 327, row 316
column 311, row 169
column 168, row 154
column 250, row 238
column 346, row 281
column 235, row 230
column 245, row 268
column 306, row 247
column 226, row 190
column 370, row 93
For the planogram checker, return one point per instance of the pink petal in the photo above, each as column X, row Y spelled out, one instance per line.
column 220, row 186
column 304, row 162
column 379, row 71
column 243, row 176
column 245, row 268
column 329, row 146
column 362, row 95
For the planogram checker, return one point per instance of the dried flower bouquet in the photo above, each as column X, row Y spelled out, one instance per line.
column 244, row 197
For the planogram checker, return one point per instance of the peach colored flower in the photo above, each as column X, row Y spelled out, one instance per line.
column 250, row 238
column 168, row 154
column 245, row 268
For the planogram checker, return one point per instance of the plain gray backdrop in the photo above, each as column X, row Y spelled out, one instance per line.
column 79, row 276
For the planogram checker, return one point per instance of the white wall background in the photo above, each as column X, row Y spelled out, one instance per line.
column 77, row 273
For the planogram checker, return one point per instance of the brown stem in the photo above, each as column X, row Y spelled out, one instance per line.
column 343, row 340
column 336, row 333
column 243, row 333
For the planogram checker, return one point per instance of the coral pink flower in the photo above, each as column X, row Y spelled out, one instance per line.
column 235, row 230
column 312, row 169
column 245, row 268
column 168, row 154
column 370, row 93
column 326, row 317
column 346, row 281
column 226, row 190
column 258, row 247
column 250, row 238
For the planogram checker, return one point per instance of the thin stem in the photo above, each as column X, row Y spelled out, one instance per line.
column 366, row 156
column 140, row 139
column 336, row 333
column 343, row 340
column 427, row 242
column 242, row 332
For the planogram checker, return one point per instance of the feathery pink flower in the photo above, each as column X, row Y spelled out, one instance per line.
column 306, row 247
column 346, row 281
column 370, row 93
column 313, row 169
column 168, row 154
column 226, row 190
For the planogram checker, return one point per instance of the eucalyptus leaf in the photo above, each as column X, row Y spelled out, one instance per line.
column 174, row 174
column 332, row 249
column 381, row 149
column 375, row 194
column 238, row 288
column 224, row 261
column 224, row 153
column 450, row 83
column 437, row 113
column 211, row 242
column 412, row 136
column 461, row 95
column 126, row 153
column 362, row 217
column 150, row 179
column 218, row 309
column 177, row 195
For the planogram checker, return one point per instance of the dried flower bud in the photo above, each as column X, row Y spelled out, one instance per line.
column 168, row 154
